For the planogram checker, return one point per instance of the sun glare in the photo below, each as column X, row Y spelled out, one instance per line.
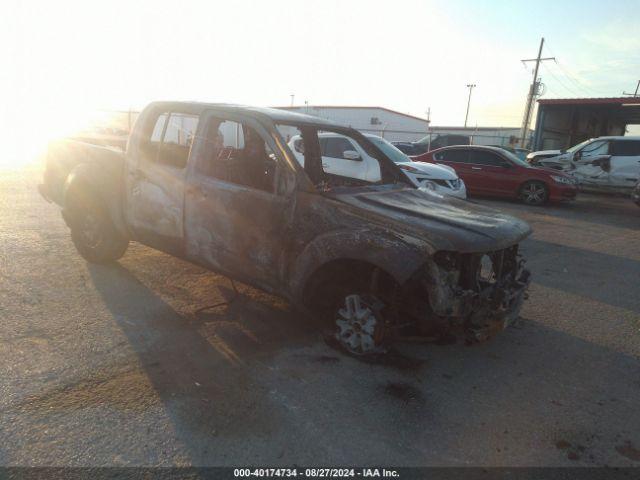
column 31, row 129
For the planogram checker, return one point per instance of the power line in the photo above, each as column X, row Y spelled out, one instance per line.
column 553, row 92
column 573, row 78
column 575, row 81
column 557, row 79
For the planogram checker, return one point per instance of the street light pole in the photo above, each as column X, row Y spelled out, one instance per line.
column 470, row 86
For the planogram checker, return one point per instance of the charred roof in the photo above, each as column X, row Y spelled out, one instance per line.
column 274, row 114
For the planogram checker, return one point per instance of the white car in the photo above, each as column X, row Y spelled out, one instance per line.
column 605, row 163
column 342, row 156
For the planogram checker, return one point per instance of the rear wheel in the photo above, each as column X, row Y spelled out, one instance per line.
column 93, row 233
column 534, row 193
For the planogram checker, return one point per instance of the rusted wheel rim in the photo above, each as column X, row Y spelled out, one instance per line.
column 359, row 329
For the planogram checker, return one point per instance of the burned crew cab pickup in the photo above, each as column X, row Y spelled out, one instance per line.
column 217, row 185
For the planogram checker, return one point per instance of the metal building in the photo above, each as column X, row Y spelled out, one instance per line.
column 390, row 124
column 402, row 127
column 503, row 136
column 564, row 122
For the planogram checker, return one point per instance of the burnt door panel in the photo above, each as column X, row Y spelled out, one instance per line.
column 156, row 202
column 156, row 179
column 236, row 229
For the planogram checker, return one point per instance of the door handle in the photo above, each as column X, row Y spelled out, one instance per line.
column 476, row 168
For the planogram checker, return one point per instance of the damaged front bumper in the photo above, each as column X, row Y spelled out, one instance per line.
column 498, row 307
column 478, row 294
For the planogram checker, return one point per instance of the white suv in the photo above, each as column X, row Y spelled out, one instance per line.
column 341, row 156
column 600, row 163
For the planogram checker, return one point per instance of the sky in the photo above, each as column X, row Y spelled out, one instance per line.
column 60, row 60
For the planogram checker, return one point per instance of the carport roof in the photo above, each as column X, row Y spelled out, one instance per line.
column 627, row 109
column 613, row 101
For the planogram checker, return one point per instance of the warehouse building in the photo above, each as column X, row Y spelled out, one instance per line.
column 401, row 127
column 390, row 124
column 503, row 136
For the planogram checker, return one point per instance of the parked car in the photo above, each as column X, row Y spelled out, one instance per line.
column 494, row 171
column 440, row 178
column 635, row 194
column 218, row 186
column 433, row 142
column 338, row 158
column 411, row 148
column 603, row 163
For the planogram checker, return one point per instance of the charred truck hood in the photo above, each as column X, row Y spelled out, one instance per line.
column 445, row 223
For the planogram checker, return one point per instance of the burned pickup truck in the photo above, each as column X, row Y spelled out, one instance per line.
column 217, row 185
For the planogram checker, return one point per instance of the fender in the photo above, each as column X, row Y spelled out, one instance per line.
column 105, row 184
column 398, row 255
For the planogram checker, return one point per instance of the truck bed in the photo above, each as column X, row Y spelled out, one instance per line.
column 63, row 156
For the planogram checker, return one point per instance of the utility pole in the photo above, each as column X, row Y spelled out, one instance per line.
column 635, row 94
column 470, row 86
column 533, row 92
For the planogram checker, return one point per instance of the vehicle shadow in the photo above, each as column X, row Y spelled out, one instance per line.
column 200, row 368
column 527, row 390
column 196, row 363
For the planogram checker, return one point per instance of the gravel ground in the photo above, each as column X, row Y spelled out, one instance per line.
column 103, row 366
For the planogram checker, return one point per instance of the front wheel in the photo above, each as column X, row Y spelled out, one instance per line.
column 534, row 193
column 93, row 233
column 360, row 327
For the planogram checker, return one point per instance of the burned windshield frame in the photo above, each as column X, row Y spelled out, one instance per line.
column 389, row 172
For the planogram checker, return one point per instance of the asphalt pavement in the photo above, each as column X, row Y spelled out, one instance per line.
column 115, row 366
